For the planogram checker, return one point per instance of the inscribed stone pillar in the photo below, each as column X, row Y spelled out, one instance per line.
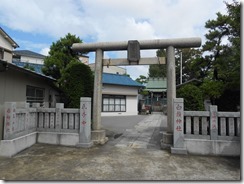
column 85, row 123
column 178, row 126
column 58, row 116
column 178, row 112
column 213, row 122
column 10, row 119
column 97, row 97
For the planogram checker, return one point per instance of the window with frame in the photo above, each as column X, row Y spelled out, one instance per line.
column 35, row 95
column 114, row 103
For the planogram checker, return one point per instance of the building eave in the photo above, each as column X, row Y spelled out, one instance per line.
column 7, row 37
column 26, row 71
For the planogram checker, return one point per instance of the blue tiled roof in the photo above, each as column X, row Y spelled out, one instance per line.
column 122, row 80
column 37, row 67
column 114, row 79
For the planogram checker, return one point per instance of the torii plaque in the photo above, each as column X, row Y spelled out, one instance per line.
column 170, row 44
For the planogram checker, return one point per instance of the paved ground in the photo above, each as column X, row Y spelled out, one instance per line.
column 133, row 155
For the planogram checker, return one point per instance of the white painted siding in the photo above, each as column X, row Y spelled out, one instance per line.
column 131, row 94
column 110, row 69
column 7, row 56
column 119, row 90
column 31, row 60
column 5, row 43
column 114, row 70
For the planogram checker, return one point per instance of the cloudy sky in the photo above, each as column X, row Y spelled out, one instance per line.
column 35, row 24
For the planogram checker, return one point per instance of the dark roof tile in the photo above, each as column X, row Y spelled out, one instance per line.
column 122, row 80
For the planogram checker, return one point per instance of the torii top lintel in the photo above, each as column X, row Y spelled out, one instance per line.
column 144, row 44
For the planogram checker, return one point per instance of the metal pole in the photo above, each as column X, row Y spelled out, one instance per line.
column 97, row 97
column 181, row 67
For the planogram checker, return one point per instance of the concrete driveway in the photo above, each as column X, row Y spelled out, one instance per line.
column 134, row 155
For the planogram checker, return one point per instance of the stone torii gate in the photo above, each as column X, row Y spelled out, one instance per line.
column 133, row 48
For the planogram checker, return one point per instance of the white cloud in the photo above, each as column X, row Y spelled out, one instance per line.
column 109, row 20
column 45, row 51
column 136, row 71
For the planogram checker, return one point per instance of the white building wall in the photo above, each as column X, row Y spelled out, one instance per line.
column 110, row 69
column 132, row 102
column 5, row 43
column 7, row 57
column 7, row 49
column 31, row 60
column 131, row 108
column 114, row 70
column 131, row 94
column 119, row 90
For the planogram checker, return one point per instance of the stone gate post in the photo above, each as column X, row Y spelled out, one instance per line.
column 85, row 123
column 9, row 119
column 178, row 127
column 213, row 122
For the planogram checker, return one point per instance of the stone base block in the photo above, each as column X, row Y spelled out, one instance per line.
column 65, row 139
column 165, row 146
column 180, row 151
column 167, row 138
column 85, row 145
column 99, row 137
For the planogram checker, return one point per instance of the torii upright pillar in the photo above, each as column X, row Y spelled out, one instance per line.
column 167, row 140
column 98, row 135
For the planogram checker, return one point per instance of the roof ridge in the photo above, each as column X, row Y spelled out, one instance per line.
column 117, row 79
column 26, row 52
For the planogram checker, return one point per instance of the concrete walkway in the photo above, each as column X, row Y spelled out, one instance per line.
column 134, row 155
column 145, row 134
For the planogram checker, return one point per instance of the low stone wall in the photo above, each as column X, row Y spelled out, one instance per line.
column 205, row 132
column 64, row 139
column 9, row 148
column 213, row 147
column 24, row 126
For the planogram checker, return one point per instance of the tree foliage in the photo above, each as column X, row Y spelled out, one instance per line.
column 222, row 52
column 158, row 70
column 74, row 78
column 76, row 82
column 216, row 64
column 142, row 79
column 193, row 97
column 29, row 67
column 60, row 55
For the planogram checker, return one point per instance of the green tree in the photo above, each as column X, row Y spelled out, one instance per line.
column 60, row 55
column 190, row 68
column 29, row 67
column 142, row 79
column 158, row 70
column 224, row 56
column 212, row 89
column 193, row 97
column 222, row 53
column 76, row 82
